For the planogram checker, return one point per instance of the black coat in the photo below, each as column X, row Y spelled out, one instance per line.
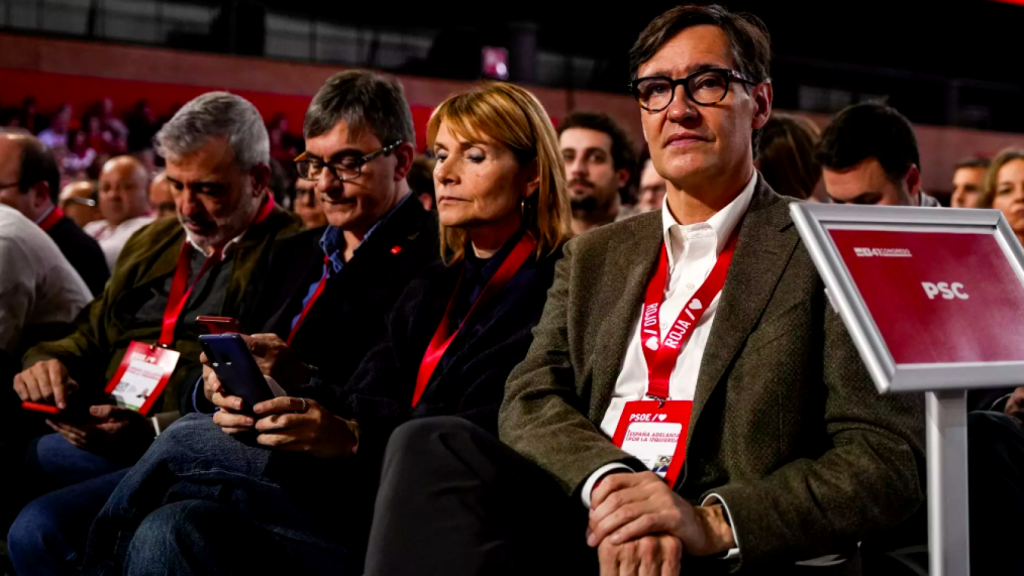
column 348, row 318
column 83, row 252
column 469, row 382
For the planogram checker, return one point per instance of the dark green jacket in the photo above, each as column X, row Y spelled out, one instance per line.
column 787, row 426
column 106, row 327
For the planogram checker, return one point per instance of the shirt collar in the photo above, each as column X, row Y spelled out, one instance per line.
column 332, row 242
column 721, row 224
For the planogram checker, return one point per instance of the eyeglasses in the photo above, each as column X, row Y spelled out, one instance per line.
column 344, row 169
column 705, row 88
column 79, row 200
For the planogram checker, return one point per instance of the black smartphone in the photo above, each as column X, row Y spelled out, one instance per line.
column 230, row 358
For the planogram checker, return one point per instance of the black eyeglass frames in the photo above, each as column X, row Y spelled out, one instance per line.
column 705, row 87
column 345, row 169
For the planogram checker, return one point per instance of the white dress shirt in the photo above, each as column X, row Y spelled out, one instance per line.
column 113, row 238
column 37, row 283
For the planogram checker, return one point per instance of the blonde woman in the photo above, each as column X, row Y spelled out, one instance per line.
column 301, row 483
column 1003, row 188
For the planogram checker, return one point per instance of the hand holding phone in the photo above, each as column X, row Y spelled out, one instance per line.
column 229, row 357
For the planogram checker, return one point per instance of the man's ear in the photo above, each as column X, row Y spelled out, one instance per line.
column 404, row 154
column 40, row 192
column 260, row 175
column 622, row 176
column 762, row 95
column 913, row 183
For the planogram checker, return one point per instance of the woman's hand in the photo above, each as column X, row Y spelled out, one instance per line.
column 303, row 425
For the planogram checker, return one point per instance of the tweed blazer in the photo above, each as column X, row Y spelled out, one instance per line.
column 787, row 427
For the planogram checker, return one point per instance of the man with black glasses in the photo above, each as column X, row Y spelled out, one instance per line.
column 360, row 145
column 700, row 334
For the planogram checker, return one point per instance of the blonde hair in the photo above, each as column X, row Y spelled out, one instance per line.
column 988, row 189
column 513, row 117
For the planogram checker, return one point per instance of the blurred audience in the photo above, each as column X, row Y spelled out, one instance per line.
column 1004, row 188
column 869, row 156
column 308, row 205
column 421, row 181
column 161, row 197
column 142, row 126
column 40, row 293
column 599, row 162
column 56, row 136
column 80, row 154
column 652, row 189
column 785, row 155
column 124, row 184
column 218, row 156
column 80, row 202
column 34, row 180
column 283, row 148
column 968, row 181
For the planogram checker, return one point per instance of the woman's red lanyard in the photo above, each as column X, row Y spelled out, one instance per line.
column 444, row 335
column 661, row 355
column 180, row 287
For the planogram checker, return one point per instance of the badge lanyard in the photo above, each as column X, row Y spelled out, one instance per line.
column 662, row 354
column 309, row 305
column 443, row 336
column 181, row 289
column 51, row 219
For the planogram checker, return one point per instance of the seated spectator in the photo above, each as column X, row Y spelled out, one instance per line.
column 308, row 205
column 869, row 156
column 421, row 181
column 112, row 124
column 142, row 126
column 790, row 453
column 170, row 272
column 124, row 184
column 282, row 148
column 599, row 162
column 80, row 155
column 452, row 339
column 30, row 119
column 79, row 200
column 101, row 140
column 1004, row 189
column 32, row 171
column 56, row 136
column 161, row 198
column 40, row 293
column 785, row 155
column 968, row 182
column 652, row 189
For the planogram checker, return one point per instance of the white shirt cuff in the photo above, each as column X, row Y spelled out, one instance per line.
column 734, row 553
column 601, row 472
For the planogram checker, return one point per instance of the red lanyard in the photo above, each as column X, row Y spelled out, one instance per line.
column 52, row 218
column 661, row 355
column 181, row 289
column 443, row 336
column 316, row 294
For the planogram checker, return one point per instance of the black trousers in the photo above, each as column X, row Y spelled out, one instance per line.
column 996, row 485
column 454, row 501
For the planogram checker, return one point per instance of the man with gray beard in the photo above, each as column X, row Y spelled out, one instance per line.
column 218, row 154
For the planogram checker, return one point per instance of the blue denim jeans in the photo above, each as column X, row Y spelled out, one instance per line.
column 48, row 537
column 200, row 499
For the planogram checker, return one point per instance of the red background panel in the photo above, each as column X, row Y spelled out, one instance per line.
column 986, row 327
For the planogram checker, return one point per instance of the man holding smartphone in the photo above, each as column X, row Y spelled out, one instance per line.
column 170, row 272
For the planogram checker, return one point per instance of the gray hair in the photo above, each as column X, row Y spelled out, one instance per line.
column 213, row 115
column 365, row 101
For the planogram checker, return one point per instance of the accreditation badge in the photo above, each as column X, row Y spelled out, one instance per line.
column 655, row 433
column 142, row 376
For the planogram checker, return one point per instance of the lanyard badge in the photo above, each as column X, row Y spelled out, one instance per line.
column 654, row 431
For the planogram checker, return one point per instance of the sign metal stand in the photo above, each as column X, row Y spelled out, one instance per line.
column 944, row 382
